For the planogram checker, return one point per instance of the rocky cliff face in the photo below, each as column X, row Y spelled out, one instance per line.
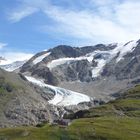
column 68, row 64
column 126, row 68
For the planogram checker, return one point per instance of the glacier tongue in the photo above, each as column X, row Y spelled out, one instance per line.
column 62, row 96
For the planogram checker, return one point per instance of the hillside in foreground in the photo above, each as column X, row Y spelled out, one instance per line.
column 117, row 120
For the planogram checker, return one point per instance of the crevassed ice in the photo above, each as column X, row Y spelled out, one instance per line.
column 62, row 96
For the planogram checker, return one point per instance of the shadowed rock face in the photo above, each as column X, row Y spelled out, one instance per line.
column 45, row 73
column 127, row 68
column 78, row 70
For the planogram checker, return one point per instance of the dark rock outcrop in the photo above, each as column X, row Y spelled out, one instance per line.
column 127, row 68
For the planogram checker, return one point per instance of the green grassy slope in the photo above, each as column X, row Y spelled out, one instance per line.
column 102, row 128
column 127, row 105
column 117, row 120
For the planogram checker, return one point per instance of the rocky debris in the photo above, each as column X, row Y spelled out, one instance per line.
column 26, row 110
column 23, row 103
column 82, row 106
column 137, row 81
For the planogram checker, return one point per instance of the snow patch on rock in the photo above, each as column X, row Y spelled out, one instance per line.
column 106, row 56
column 40, row 58
column 61, row 61
column 98, row 69
column 124, row 49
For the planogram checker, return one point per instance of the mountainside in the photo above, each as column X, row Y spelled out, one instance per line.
column 20, row 103
column 129, row 66
column 97, row 71
column 116, row 120
column 127, row 104
column 55, row 63
column 29, row 101
column 66, row 79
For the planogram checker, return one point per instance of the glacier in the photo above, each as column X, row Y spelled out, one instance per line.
column 62, row 96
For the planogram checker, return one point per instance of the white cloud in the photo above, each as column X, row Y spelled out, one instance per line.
column 103, row 2
column 87, row 25
column 111, row 21
column 21, row 13
column 26, row 8
column 128, row 14
column 11, row 56
column 14, row 56
column 2, row 45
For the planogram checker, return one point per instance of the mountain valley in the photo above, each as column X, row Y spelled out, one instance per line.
column 91, row 83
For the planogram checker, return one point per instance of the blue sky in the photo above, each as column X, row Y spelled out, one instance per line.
column 30, row 26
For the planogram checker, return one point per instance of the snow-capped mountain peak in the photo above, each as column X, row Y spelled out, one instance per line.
column 83, row 64
column 11, row 61
column 123, row 49
column 13, row 66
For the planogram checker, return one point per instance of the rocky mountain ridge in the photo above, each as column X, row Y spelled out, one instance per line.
column 93, row 58
column 97, row 71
